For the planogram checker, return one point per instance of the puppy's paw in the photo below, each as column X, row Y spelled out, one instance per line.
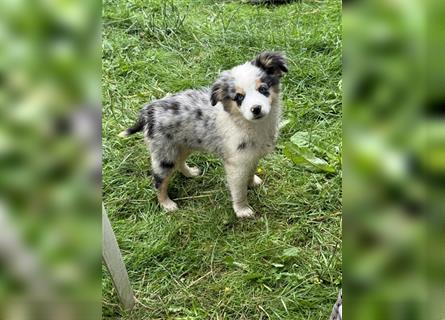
column 256, row 181
column 123, row 134
column 193, row 172
column 244, row 212
column 190, row 172
column 169, row 205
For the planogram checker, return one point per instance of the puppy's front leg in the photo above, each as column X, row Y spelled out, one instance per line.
column 238, row 176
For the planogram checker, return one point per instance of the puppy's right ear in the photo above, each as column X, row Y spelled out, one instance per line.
column 222, row 88
column 217, row 93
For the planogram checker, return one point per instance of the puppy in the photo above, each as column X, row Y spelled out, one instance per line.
column 236, row 119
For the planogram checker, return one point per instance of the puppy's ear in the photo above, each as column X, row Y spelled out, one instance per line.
column 217, row 93
column 273, row 63
column 220, row 89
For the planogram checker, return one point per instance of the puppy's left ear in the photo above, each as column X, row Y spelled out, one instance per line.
column 273, row 63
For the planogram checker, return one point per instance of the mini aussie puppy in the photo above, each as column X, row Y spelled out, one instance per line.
column 236, row 119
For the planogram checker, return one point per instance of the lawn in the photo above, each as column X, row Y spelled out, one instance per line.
column 201, row 262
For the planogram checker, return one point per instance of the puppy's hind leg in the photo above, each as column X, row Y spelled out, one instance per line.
column 162, row 170
column 163, row 198
column 182, row 166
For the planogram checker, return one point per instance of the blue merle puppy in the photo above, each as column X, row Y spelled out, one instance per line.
column 236, row 119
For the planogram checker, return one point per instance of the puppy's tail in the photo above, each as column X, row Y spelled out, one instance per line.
column 138, row 126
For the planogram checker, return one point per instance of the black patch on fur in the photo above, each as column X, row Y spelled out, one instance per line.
column 242, row 146
column 199, row 141
column 264, row 90
column 157, row 180
column 239, row 99
column 167, row 164
column 169, row 105
column 174, row 107
column 150, row 121
column 168, row 136
column 178, row 124
column 270, row 80
column 136, row 127
column 198, row 114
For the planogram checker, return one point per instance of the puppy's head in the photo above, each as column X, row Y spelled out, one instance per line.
column 251, row 89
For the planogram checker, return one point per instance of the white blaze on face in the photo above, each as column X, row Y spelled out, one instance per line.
column 246, row 79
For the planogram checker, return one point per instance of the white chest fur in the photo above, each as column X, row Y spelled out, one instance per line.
column 254, row 139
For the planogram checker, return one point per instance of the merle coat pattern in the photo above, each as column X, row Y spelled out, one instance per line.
column 237, row 119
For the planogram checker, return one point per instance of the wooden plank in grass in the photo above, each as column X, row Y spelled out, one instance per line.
column 113, row 260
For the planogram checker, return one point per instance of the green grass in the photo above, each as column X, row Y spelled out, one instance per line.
column 201, row 262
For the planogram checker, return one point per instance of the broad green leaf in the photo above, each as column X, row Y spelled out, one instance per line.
column 301, row 139
column 313, row 142
column 303, row 156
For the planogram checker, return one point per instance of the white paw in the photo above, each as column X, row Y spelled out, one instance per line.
column 123, row 134
column 244, row 212
column 191, row 172
column 169, row 205
column 194, row 171
column 256, row 181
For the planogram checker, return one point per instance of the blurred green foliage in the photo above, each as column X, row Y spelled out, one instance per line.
column 393, row 219
column 49, row 159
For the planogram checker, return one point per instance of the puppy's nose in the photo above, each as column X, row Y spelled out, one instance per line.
column 256, row 110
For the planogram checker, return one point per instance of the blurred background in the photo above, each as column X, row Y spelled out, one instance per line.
column 394, row 159
column 50, row 233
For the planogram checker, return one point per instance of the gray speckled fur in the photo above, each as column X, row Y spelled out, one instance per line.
column 190, row 124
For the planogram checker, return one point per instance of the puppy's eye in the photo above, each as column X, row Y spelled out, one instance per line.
column 238, row 98
column 264, row 90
